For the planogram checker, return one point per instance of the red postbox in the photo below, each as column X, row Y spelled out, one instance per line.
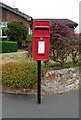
column 41, row 39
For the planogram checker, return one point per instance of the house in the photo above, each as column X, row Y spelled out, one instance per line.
column 9, row 14
column 66, row 22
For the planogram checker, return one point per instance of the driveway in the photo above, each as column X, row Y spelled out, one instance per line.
column 53, row 106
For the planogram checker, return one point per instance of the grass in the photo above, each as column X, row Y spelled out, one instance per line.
column 21, row 56
column 0, row 81
column 18, row 56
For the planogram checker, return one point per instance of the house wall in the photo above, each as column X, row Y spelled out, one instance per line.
column 11, row 17
column 0, row 14
column 4, row 16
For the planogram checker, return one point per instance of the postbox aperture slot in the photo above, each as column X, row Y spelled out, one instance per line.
column 41, row 28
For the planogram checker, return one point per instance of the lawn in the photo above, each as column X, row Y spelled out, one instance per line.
column 22, row 56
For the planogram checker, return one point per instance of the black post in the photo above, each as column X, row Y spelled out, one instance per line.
column 39, row 81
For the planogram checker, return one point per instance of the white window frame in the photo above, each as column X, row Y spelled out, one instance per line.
column 2, row 25
column 29, row 31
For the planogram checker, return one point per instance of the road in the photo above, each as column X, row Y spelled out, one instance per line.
column 54, row 106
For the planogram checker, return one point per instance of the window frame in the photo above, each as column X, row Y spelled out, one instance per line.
column 2, row 25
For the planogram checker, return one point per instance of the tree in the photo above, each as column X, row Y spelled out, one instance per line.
column 60, row 45
column 16, row 32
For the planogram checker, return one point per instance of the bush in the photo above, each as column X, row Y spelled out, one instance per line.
column 19, row 74
column 8, row 46
column 59, row 42
column 74, row 42
column 29, row 38
column 16, row 31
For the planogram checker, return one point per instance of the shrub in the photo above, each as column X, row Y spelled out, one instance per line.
column 8, row 46
column 19, row 74
column 74, row 42
column 17, row 32
column 59, row 42
column 29, row 38
column 29, row 50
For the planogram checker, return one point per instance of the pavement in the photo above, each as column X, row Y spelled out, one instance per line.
column 53, row 106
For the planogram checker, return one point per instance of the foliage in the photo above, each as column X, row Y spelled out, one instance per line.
column 60, row 46
column 74, row 43
column 8, row 46
column 52, row 65
column 19, row 74
column 29, row 38
column 16, row 32
column 29, row 50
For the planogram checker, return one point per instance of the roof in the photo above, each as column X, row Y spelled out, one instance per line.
column 16, row 11
column 67, row 22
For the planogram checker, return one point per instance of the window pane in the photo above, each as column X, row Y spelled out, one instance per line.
column 4, row 31
column 0, row 32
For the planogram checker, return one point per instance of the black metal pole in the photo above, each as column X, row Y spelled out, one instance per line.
column 39, row 81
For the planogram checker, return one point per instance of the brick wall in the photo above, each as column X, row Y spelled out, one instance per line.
column 11, row 17
column 4, row 16
column 0, row 14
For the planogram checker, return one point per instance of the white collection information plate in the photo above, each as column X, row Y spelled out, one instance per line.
column 41, row 47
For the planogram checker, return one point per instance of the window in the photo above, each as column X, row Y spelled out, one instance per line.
column 29, row 31
column 3, row 26
column 0, row 32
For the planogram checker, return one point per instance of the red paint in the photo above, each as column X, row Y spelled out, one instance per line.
column 41, row 32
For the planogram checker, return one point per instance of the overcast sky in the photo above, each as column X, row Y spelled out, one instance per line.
column 47, row 8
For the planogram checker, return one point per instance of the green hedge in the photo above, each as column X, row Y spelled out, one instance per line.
column 8, row 46
column 20, row 74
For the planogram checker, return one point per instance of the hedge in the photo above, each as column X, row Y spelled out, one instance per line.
column 20, row 74
column 8, row 46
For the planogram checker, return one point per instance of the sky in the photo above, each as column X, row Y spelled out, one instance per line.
column 48, row 8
